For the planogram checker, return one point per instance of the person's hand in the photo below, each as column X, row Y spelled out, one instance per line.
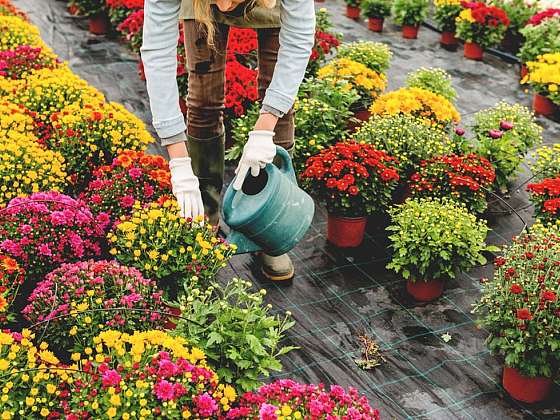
column 186, row 188
column 257, row 153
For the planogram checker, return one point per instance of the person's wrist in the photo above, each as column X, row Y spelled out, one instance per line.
column 266, row 121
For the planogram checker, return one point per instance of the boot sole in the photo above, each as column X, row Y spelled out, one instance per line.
column 283, row 278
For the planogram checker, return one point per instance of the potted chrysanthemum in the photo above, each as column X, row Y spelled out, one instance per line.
column 543, row 77
column 353, row 180
column 519, row 308
column 445, row 14
column 410, row 14
column 376, row 11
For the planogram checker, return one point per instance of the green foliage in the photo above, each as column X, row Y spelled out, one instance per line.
column 352, row 3
column 507, row 151
column 519, row 305
column 321, row 114
column 236, row 331
column 435, row 239
column 410, row 12
column 546, row 162
column 90, row 7
column 407, row 138
column 376, row 8
column 445, row 15
column 374, row 55
column 540, row 39
column 435, row 80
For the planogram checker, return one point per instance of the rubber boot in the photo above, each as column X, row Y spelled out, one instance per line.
column 207, row 159
column 278, row 269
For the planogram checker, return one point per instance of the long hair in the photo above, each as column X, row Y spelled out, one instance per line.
column 203, row 14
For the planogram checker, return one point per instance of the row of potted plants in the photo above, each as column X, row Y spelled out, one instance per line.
column 100, row 260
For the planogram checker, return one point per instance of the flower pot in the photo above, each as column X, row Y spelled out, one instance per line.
column 170, row 313
column 361, row 116
column 425, row 290
column 319, row 1
column 525, row 388
column 353, row 12
column 73, row 9
column 448, row 39
column 542, row 105
column 346, row 232
column 375, row 24
column 183, row 105
column 141, row 73
column 410, row 31
column 99, row 24
column 473, row 51
column 524, row 70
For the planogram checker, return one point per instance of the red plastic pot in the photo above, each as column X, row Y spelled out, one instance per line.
column 353, row 12
column 425, row 290
column 183, row 105
column 410, row 31
column 99, row 24
column 141, row 73
column 346, row 232
column 375, row 24
column 542, row 105
column 448, row 39
column 362, row 115
column 171, row 311
column 319, row 1
column 524, row 70
column 525, row 388
column 473, row 51
column 73, row 9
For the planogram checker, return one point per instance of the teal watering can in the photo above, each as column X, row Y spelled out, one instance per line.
column 270, row 212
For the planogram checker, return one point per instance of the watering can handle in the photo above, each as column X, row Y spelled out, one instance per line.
column 286, row 168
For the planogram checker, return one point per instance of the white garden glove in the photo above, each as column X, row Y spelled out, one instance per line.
column 257, row 153
column 186, row 188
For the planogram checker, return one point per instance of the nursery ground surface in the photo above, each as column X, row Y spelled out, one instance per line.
column 339, row 295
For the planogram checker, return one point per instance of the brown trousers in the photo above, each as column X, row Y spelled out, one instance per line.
column 206, row 68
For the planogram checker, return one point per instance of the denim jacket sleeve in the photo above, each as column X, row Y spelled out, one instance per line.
column 159, row 55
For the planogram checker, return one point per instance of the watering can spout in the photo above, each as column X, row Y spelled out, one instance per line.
column 244, row 244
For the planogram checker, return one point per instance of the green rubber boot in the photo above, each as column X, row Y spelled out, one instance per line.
column 207, row 159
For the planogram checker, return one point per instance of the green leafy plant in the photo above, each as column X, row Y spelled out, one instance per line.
column 236, row 331
column 90, row 7
column 410, row 12
column 322, row 111
column 352, row 3
column 540, row 39
column 407, row 138
column 519, row 305
column 545, row 162
column 445, row 13
column 374, row 55
column 376, row 8
column 435, row 239
column 503, row 135
column 435, row 80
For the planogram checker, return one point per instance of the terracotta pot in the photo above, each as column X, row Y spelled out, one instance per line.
column 172, row 312
column 375, row 24
column 346, row 232
column 73, row 9
column 473, row 51
column 410, row 31
column 99, row 24
column 525, row 388
column 141, row 73
column 362, row 115
column 353, row 12
column 425, row 290
column 319, row 1
column 183, row 105
column 524, row 70
column 448, row 39
column 542, row 105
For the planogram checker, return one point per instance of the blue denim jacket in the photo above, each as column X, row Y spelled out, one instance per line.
column 159, row 55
